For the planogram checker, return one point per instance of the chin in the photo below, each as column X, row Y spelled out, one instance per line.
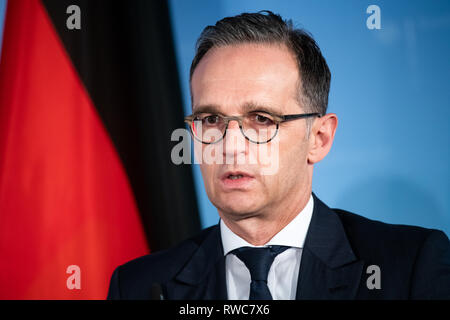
column 239, row 204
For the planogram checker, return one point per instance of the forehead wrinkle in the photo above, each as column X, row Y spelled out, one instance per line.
column 226, row 64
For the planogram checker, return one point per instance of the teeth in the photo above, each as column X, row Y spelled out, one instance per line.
column 235, row 177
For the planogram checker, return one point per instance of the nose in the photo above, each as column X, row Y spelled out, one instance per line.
column 233, row 124
column 235, row 144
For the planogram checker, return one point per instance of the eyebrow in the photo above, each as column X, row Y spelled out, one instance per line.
column 255, row 107
column 247, row 107
column 209, row 108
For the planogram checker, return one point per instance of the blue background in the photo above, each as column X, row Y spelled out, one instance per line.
column 390, row 89
column 2, row 17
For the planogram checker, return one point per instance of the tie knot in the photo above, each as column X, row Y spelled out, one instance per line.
column 258, row 260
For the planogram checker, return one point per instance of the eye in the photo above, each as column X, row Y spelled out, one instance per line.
column 209, row 119
column 213, row 119
column 261, row 119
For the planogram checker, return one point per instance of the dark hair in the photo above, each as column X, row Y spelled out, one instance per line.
column 267, row 27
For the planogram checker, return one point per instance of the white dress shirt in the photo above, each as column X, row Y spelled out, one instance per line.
column 283, row 274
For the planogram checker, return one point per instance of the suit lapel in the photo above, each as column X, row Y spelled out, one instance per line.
column 329, row 269
column 203, row 277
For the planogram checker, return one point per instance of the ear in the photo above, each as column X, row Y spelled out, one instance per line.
column 321, row 137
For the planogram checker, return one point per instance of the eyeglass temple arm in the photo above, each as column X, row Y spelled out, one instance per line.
column 290, row 117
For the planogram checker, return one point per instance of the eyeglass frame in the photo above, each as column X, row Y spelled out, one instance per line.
column 276, row 118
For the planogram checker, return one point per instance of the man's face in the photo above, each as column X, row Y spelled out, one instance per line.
column 232, row 80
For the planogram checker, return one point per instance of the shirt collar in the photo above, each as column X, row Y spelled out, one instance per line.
column 292, row 235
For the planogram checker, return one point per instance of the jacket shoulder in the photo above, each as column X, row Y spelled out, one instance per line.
column 413, row 258
column 136, row 277
column 376, row 237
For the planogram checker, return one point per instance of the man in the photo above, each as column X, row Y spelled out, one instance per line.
column 257, row 82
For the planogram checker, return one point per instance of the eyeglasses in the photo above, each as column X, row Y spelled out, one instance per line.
column 256, row 127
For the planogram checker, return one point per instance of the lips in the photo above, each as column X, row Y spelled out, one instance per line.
column 236, row 180
column 234, row 175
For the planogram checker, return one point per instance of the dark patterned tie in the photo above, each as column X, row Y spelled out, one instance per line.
column 258, row 262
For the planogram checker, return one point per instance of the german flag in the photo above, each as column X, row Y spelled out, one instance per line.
column 89, row 97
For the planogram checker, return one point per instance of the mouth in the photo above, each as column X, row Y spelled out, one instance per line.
column 236, row 179
column 234, row 175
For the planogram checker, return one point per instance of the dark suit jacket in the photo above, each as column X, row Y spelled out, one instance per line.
column 414, row 263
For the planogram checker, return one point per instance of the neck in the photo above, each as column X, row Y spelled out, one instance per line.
column 258, row 228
